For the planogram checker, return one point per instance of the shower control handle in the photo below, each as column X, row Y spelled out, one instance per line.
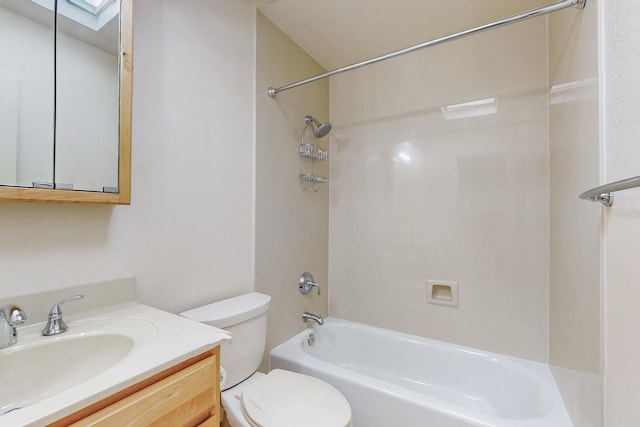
column 306, row 283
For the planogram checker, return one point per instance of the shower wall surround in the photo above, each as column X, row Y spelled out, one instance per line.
column 575, row 342
column 414, row 196
column 292, row 226
column 575, row 271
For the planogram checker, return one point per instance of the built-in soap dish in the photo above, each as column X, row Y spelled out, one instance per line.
column 442, row 292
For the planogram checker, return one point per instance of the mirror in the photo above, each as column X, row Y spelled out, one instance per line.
column 65, row 135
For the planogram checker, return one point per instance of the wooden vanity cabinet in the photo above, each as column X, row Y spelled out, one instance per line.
column 187, row 394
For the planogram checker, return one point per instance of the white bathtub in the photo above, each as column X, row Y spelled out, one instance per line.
column 395, row 379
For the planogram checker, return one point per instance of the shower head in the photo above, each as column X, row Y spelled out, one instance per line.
column 322, row 129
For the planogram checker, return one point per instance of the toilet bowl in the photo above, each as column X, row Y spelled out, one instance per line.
column 279, row 398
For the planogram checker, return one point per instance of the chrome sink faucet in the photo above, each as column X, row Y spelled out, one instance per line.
column 55, row 324
column 10, row 316
column 310, row 317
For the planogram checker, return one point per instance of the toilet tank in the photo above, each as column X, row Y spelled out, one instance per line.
column 245, row 317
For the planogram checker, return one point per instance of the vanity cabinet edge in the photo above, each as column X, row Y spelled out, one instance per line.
column 38, row 195
column 148, row 398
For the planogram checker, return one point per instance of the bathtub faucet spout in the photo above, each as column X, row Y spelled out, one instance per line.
column 310, row 317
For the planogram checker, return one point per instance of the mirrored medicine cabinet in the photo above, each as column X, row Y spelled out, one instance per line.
column 65, row 100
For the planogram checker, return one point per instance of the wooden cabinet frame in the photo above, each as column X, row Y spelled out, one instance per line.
column 194, row 383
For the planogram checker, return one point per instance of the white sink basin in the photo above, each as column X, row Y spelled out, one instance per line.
column 103, row 352
column 45, row 368
column 39, row 367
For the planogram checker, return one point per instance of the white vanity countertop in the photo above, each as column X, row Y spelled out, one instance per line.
column 161, row 340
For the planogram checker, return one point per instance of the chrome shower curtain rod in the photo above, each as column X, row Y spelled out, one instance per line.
column 578, row 4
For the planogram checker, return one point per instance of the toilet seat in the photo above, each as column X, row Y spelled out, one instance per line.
column 288, row 399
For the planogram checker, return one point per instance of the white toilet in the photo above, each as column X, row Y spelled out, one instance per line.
column 277, row 399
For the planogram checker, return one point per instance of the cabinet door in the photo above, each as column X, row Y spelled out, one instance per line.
column 87, row 101
column 65, row 100
column 26, row 93
column 186, row 398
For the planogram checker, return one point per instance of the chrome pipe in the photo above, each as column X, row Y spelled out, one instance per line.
column 578, row 4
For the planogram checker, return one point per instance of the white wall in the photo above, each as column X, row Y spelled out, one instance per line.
column 188, row 234
column 417, row 197
column 621, row 44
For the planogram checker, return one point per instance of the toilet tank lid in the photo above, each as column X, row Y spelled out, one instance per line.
column 230, row 311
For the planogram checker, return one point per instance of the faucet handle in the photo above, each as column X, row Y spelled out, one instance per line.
column 55, row 324
column 17, row 316
column 306, row 283
column 14, row 314
column 11, row 315
column 56, row 311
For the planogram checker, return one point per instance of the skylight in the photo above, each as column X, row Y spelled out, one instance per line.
column 92, row 6
column 93, row 14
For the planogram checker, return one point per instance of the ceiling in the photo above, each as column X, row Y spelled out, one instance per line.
column 342, row 32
